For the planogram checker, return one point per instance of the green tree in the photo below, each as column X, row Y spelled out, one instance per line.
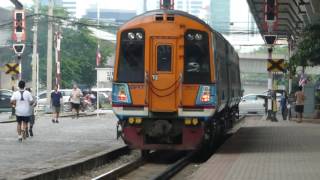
column 78, row 49
column 308, row 48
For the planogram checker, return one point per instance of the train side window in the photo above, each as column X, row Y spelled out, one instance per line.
column 164, row 53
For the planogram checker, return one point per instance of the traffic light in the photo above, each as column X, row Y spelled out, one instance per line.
column 270, row 10
column 18, row 48
column 19, row 26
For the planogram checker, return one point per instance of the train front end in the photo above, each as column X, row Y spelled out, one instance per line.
column 163, row 89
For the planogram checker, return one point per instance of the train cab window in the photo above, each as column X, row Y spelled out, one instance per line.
column 131, row 57
column 164, row 58
column 196, row 58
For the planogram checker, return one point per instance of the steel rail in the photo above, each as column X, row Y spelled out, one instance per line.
column 176, row 167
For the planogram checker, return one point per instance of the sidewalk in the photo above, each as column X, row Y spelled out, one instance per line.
column 265, row 150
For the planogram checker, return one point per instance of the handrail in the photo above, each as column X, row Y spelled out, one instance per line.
column 146, row 87
column 164, row 89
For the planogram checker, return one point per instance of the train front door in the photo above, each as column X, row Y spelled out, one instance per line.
column 163, row 77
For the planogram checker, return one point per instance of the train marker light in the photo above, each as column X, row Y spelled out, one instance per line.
column 198, row 37
column 205, row 97
column 122, row 96
column 205, row 94
column 190, row 37
column 131, row 35
column 139, row 35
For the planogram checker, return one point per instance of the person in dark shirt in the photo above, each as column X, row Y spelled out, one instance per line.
column 56, row 96
column 283, row 105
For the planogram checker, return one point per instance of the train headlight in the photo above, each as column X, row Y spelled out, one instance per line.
column 187, row 121
column 190, row 37
column 195, row 121
column 139, row 35
column 138, row 120
column 198, row 36
column 131, row 120
column 131, row 35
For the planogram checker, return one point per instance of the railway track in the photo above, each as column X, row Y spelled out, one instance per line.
column 155, row 167
column 147, row 169
column 81, row 166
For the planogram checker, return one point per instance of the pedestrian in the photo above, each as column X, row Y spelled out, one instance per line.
column 22, row 100
column 299, row 103
column 75, row 100
column 283, row 106
column 56, row 98
column 32, row 117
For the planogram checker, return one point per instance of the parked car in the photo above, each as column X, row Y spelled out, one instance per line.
column 5, row 96
column 42, row 99
column 253, row 104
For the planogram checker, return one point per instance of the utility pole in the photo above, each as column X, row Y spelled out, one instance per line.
column 49, row 50
column 57, row 39
column 271, row 92
column 35, row 48
column 98, row 46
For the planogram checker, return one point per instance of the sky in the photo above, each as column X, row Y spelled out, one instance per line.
column 239, row 15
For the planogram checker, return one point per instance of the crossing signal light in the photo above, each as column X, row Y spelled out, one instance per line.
column 270, row 10
column 19, row 26
column 19, row 18
column 18, row 48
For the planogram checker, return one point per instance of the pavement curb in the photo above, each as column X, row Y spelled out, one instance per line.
column 63, row 115
column 77, row 167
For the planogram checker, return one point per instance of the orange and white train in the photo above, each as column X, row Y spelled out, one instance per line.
column 176, row 82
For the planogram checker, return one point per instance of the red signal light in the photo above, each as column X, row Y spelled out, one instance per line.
column 19, row 26
column 122, row 96
column 205, row 97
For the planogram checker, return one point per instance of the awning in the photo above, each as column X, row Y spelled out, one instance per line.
column 292, row 16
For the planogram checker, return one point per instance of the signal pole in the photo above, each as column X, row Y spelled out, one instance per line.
column 49, row 50
column 58, row 38
column 35, row 48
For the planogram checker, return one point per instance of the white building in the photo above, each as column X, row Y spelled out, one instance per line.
column 71, row 6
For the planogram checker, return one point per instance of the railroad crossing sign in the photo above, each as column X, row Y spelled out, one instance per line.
column 276, row 65
column 12, row 68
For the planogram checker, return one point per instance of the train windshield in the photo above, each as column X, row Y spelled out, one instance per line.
column 131, row 57
column 196, row 58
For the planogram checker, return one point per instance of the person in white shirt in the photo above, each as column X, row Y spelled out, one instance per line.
column 22, row 101
column 75, row 100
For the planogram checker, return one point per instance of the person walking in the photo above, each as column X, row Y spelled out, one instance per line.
column 32, row 117
column 56, row 98
column 75, row 100
column 22, row 101
column 299, row 103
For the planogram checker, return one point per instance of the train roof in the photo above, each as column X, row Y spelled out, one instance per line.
column 181, row 13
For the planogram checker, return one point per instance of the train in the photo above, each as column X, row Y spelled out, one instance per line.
column 176, row 82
